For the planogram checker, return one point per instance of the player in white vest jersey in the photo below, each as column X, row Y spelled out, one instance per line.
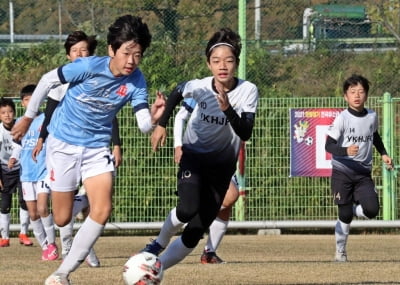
column 223, row 117
column 350, row 140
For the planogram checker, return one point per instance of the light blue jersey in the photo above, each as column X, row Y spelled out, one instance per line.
column 32, row 171
column 85, row 114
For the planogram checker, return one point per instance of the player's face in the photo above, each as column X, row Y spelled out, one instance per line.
column 356, row 96
column 25, row 100
column 7, row 115
column 222, row 64
column 125, row 60
column 80, row 49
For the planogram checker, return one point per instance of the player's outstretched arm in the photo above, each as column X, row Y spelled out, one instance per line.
column 21, row 127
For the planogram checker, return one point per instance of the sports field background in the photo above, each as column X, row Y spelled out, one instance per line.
column 252, row 259
column 145, row 183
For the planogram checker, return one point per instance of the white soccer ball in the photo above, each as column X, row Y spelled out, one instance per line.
column 143, row 268
column 308, row 141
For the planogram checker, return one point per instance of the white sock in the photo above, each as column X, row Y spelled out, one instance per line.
column 66, row 234
column 39, row 233
column 359, row 212
column 5, row 225
column 174, row 253
column 84, row 240
column 48, row 225
column 216, row 233
column 170, row 227
column 24, row 218
column 341, row 234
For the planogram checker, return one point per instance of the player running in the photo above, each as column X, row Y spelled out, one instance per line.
column 350, row 140
column 81, row 127
column 223, row 117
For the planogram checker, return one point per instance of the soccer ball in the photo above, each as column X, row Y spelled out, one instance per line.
column 308, row 141
column 143, row 268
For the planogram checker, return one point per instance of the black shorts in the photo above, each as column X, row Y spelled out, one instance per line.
column 11, row 181
column 349, row 188
column 206, row 170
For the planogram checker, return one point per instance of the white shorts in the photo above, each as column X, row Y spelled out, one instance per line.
column 68, row 164
column 30, row 190
column 235, row 181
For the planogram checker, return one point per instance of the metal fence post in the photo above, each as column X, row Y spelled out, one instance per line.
column 389, row 195
column 240, row 204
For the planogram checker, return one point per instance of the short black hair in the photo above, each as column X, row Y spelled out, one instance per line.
column 354, row 80
column 128, row 28
column 4, row 102
column 79, row 36
column 27, row 90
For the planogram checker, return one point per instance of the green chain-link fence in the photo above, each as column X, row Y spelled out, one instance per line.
column 145, row 183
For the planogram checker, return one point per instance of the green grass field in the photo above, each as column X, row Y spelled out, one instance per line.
column 252, row 259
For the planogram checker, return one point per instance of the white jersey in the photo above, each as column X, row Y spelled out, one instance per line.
column 6, row 149
column 208, row 129
column 348, row 130
column 58, row 93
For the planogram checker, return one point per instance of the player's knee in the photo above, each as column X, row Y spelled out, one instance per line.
column 184, row 213
column 345, row 213
column 371, row 211
column 61, row 222
column 100, row 215
column 42, row 211
column 370, row 207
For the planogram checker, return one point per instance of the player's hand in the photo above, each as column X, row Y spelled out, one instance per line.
column 177, row 154
column 38, row 148
column 117, row 153
column 21, row 127
column 11, row 162
column 388, row 161
column 352, row 150
column 158, row 137
column 222, row 98
column 158, row 107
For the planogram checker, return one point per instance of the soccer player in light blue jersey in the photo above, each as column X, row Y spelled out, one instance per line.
column 77, row 44
column 350, row 140
column 81, row 127
column 34, row 182
column 223, row 117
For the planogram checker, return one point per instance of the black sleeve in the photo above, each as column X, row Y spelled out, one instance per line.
column 172, row 101
column 243, row 125
column 332, row 147
column 378, row 143
column 115, row 139
column 48, row 113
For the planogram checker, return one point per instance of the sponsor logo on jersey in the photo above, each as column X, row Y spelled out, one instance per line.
column 122, row 90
